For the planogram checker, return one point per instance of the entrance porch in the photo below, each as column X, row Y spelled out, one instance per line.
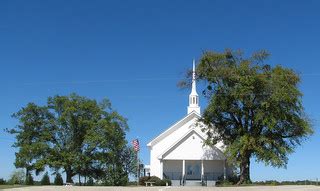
column 209, row 170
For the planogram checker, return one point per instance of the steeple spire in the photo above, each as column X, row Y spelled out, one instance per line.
column 193, row 97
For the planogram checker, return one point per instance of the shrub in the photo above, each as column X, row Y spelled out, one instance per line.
column 132, row 183
column 2, row 181
column 143, row 179
column 272, row 182
column 167, row 181
column 58, row 179
column 29, row 180
column 234, row 179
column 90, row 182
column 17, row 177
column 157, row 181
column 153, row 179
column 223, row 183
column 45, row 179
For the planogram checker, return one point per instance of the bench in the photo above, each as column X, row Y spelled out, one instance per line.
column 149, row 183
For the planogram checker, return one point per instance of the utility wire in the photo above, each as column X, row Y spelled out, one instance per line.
column 119, row 80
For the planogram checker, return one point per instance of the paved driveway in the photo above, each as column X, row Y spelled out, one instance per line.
column 249, row 188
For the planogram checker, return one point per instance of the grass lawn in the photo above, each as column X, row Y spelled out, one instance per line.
column 11, row 186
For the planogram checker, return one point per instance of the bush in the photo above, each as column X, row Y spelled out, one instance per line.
column 29, row 180
column 45, row 179
column 272, row 182
column 2, row 181
column 17, row 177
column 143, row 179
column 90, row 182
column 167, row 181
column 132, row 183
column 154, row 179
column 234, row 179
column 224, row 183
column 58, row 179
column 157, row 181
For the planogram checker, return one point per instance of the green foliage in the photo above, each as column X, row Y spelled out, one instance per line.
column 272, row 183
column 163, row 182
column 143, row 179
column 45, row 179
column 254, row 109
column 231, row 180
column 17, row 177
column 167, row 181
column 58, row 179
column 77, row 134
column 90, row 182
column 224, row 183
column 29, row 179
column 155, row 179
column 30, row 139
column 3, row 181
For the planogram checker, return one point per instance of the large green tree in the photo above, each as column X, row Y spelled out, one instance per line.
column 31, row 139
column 73, row 133
column 73, row 116
column 254, row 109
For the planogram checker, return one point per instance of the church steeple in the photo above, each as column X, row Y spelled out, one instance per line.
column 193, row 97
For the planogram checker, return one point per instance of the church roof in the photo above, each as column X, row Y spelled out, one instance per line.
column 188, row 134
column 206, row 153
column 174, row 127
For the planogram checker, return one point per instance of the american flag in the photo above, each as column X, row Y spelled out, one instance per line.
column 136, row 145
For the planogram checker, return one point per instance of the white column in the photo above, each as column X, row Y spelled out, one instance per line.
column 224, row 170
column 161, row 169
column 183, row 167
column 202, row 168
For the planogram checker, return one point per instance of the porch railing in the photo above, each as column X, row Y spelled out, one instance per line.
column 204, row 180
column 177, row 176
column 173, row 175
column 213, row 175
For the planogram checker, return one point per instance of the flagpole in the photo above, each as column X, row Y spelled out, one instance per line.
column 138, row 165
column 136, row 148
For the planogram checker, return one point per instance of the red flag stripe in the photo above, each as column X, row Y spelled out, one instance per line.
column 136, row 145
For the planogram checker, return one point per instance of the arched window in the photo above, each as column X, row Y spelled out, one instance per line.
column 194, row 100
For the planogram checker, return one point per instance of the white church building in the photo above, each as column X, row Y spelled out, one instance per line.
column 179, row 152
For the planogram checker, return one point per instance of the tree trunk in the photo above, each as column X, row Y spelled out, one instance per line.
column 245, row 170
column 69, row 175
column 79, row 179
column 27, row 173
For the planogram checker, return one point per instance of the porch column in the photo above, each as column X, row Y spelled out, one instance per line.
column 224, row 170
column 161, row 169
column 183, row 168
column 202, row 169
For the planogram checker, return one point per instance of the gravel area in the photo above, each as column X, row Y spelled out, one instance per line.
column 250, row 188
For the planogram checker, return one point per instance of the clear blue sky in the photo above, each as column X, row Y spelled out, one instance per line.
column 135, row 52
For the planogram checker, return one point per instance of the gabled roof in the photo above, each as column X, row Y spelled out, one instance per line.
column 174, row 127
column 182, row 139
column 209, row 152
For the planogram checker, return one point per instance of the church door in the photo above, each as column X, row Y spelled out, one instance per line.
column 193, row 170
